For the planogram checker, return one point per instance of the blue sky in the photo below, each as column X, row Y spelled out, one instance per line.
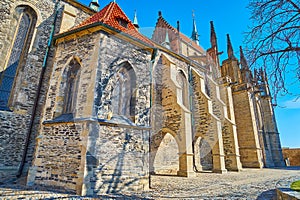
column 230, row 16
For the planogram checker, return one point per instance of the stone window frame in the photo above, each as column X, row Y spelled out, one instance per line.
column 207, row 86
column 183, row 88
column 71, row 89
column 118, row 103
column 66, row 100
column 18, row 53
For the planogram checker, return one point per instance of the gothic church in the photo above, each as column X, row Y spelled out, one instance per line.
column 90, row 105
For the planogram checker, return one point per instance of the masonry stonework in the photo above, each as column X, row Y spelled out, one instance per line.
column 291, row 156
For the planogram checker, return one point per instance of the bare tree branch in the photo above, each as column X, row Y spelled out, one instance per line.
column 273, row 41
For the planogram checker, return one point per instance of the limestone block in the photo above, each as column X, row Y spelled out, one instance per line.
column 68, row 18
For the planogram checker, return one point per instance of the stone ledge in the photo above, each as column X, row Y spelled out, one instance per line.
column 287, row 194
column 115, row 121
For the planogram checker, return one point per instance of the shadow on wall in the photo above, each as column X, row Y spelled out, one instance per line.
column 111, row 172
column 296, row 168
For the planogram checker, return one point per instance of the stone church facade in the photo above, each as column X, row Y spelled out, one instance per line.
column 90, row 105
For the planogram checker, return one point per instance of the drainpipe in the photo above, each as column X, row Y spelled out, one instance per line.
column 36, row 100
column 153, row 56
column 192, row 114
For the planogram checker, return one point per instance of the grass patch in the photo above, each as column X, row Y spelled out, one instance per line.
column 295, row 186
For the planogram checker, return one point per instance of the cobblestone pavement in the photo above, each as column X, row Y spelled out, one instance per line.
column 247, row 184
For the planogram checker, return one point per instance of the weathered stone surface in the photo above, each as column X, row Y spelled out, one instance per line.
column 104, row 158
column 58, row 160
column 15, row 127
column 12, row 139
column 112, row 109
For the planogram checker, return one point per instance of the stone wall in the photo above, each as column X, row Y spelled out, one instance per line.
column 208, row 127
column 293, row 156
column 104, row 157
column 250, row 150
column 12, row 139
column 58, row 158
column 164, row 148
column 258, row 137
column 172, row 101
column 88, row 54
column 120, row 147
column 229, row 131
column 24, row 92
column 271, row 132
column 205, row 135
column 112, row 54
column 116, row 160
column 96, row 150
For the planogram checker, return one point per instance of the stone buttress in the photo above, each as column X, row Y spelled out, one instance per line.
column 244, row 103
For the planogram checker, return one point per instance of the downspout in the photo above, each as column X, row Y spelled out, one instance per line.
column 153, row 56
column 36, row 100
column 192, row 115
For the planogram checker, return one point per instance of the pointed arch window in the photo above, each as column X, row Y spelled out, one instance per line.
column 123, row 94
column 183, row 93
column 71, row 74
column 23, row 36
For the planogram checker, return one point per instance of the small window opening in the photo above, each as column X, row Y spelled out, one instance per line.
column 123, row 23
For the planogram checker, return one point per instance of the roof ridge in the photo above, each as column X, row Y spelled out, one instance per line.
column 164, row 24
column 89, row 20
column 108, row 11
column 110, row 15
column 170, row 27
column 168, row 24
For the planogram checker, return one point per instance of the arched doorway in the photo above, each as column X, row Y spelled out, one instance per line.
column 203, row 155
column 164, row 155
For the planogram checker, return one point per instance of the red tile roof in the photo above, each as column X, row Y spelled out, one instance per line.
column 111, row 15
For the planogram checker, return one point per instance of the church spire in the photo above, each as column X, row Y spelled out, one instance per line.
column 263, row 81
column 94, row 5
column 246, row 74
column 195, row 32
column 213, row 51
column 243, row 60
column 166, row 43
column 135, row 20
column 229, row 48
column 213, row 36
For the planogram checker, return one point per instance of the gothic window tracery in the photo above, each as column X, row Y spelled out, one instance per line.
column 123, row 94
column 183, row 89
column 71, row 86
column 24, row 31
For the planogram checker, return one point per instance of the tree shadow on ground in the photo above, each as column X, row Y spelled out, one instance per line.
column 287, row 168
column 14, row 192
column 267, row 195
column 117, row 197
column 171, row 175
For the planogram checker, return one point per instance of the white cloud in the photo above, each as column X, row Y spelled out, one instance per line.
column 292, row 104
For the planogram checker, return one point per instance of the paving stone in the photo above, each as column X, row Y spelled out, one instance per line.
column 247, row 184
